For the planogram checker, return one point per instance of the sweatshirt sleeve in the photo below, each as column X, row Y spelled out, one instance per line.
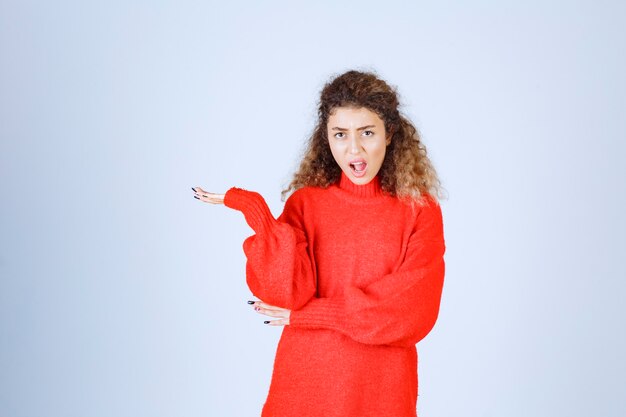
column 400, row 308
column 279, row 270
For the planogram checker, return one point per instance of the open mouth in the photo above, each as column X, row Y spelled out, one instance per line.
column 358, row 168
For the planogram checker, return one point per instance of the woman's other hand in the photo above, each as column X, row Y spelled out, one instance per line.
column 273, row 311
column 208, row 197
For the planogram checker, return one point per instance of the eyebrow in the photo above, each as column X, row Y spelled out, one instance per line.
column 358, row 128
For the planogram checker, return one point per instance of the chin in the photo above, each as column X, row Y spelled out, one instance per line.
column 360, row 180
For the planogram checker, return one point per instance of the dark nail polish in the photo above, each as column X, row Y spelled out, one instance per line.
column 196, row 197
column 250, row 302
column 193, row 189
column 266, row 322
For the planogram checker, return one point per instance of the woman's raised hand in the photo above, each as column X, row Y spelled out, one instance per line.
column 208, row 197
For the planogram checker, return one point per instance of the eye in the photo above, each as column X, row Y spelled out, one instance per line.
column 339, row 133
column 368, row 131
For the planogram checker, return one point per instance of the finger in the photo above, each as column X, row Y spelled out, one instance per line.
column 212, row 198
column 202, row 192
column 262, row 304
column 272, row 313
column 208, row 197
column 270, row 307
column 198, row 191
column 281, row 322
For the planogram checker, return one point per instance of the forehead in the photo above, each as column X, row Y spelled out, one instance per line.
column 353, row 117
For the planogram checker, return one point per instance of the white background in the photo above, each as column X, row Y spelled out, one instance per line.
column 122, row 295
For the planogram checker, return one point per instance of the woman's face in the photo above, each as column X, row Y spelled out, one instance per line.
column 357, row 141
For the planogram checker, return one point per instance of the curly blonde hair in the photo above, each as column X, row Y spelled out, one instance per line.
column 406, row 171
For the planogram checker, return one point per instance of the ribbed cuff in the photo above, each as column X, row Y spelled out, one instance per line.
column 327, row 313
column 252, row 205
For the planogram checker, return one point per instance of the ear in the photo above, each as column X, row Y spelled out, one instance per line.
column 388, row 139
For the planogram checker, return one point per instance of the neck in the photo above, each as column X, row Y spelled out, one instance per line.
column 371, row 189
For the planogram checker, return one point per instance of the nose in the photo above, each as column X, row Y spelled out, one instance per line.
column 355, row 144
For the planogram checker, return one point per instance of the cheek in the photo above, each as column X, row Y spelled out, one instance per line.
column 336, row 147
column 381, row 153
column 334, row 152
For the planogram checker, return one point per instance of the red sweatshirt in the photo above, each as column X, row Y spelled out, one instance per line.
column 363, row 275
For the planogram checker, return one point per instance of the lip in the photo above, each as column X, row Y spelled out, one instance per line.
column 354, row 172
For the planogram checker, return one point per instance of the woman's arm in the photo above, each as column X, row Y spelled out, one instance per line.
column 279, row 270
column 400, row 308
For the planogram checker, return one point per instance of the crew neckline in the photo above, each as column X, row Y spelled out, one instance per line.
column 369, row 190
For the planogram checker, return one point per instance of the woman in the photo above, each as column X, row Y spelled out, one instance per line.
column 353, row 267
